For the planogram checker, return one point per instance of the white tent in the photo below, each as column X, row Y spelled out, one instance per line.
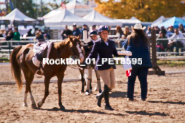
column 74, row 7
column 17, row 15
column 78, row 8
column 158, row 21
column 65, row 17
column 132, row 20
column 100, row 19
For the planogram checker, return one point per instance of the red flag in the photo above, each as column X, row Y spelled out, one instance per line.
column 128, row 73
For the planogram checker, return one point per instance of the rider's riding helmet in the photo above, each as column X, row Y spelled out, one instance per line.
column 103, row 28
column 93, row 32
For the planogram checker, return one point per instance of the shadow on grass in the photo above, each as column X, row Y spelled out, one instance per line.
column 180, row 103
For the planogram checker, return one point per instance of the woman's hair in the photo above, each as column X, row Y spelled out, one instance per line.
column 126, row 33
column 118, row 29
column 137, row 35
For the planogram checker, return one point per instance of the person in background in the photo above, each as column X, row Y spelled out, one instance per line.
column 8, row 36
column 163, row 30
column 159, row 47
column 94, row 38
column 76, row 31
column 119, row 32
column 176, row 40
column 181, row 28
column 148, row 31
column 94, row 28
column 29, row 34
column 1, row 33
column 137, row 43
column 67, row 32
column 16, row 36
column 126, row 32
column 9, row 33
column 46, row 34
column 164, row 43
column 170, row 31
column 157, row 29
column 85, row 27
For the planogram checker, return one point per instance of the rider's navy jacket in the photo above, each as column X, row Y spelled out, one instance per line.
column 102, row 50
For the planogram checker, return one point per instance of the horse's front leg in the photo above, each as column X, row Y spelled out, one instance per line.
column 60, row 79
column 82, row 79
column 46, row 81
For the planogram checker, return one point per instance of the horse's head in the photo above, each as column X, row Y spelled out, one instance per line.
column 75, row 46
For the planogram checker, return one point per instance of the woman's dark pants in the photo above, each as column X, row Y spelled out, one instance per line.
column 141, row 72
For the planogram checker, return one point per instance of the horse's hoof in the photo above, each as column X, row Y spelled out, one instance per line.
column 62, row 107
column 34, row 105
column 39, row 104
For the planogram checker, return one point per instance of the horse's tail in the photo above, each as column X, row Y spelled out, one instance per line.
column 15, row 68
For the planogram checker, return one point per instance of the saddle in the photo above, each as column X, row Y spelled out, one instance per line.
column 41, row 50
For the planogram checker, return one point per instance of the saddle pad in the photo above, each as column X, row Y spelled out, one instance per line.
column 38, row 48
column 35, row 61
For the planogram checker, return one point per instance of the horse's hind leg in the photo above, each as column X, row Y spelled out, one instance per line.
column 29, row 78
column 46, row 81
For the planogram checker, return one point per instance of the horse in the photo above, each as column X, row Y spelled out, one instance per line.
column 21, row 59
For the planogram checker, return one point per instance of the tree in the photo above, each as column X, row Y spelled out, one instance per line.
column 144, row 10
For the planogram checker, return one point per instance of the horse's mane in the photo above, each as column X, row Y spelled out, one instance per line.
column 61, row 43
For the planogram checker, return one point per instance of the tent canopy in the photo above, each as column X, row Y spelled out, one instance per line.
column 132, row 20
column 100, row 19
column 174, row 21
column 74, row 7
column 17, row 15
column 65, row 17
column 158, row 21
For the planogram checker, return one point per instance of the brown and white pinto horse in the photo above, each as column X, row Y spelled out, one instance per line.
column 21, row 59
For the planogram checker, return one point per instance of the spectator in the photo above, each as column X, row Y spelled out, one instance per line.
column 76, row 31
column 1, row 33
column 157, row 29
column 176, row 40
column 29, row 33
column 9, row 33
column 159, row 47
column 181, row 28
column 126, row 32
column 148, row 31
column 66, row 33
column 170, row 31
column 119, row 32
column 164, row 43
column 47, row 34
column 16, row 35
column 8, row 36
column 94, row 28
column 163, row 30
column 85, row 27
